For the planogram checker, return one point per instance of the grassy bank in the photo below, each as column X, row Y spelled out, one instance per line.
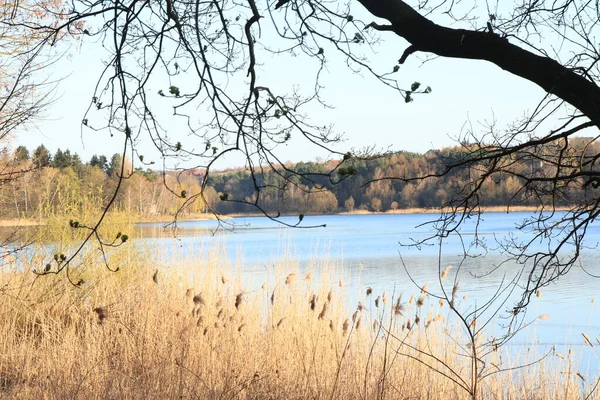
column 24, row 222
column 191, row 327
column 16, row 222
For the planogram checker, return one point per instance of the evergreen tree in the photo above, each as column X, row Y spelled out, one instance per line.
column 61, row 159
column 21, row 154
column 76, row 160
column 114, row 167
column 41, row 156
column 99, row 161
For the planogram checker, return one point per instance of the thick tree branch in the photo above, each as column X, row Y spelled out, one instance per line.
column 424, row 35
column 409, row 50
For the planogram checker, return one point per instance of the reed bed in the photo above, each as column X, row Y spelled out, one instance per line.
column 192, row 329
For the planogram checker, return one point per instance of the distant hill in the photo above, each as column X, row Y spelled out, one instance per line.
column 377, row 184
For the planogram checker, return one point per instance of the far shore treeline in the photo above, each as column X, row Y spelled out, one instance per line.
column 53, row 180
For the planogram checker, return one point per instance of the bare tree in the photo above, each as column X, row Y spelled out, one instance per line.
column 217, row 45
column 25, row 90
column 24, row 53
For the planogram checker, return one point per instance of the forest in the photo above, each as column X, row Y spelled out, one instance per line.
column 41, row 183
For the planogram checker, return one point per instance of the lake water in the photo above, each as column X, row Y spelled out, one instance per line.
column 366, row 251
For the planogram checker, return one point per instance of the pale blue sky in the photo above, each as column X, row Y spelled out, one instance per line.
column 366, row 112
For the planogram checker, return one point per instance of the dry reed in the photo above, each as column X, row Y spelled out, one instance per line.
column 122, row 336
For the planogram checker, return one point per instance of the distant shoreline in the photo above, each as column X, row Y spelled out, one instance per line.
column 18, row 222
column 415, row 210
column 23, row 222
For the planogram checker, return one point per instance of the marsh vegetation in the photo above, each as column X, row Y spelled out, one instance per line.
column 192, row 326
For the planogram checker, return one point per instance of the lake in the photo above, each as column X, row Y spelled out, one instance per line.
column 366, row 251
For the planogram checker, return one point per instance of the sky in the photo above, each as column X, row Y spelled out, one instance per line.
column 465, row 94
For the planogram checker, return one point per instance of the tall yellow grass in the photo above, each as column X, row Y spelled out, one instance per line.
column 192, row 329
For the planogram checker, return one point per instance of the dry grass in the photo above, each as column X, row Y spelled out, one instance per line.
column 18, row 222
column 189, row 332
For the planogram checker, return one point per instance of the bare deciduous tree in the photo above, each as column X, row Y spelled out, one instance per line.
column 217, row 45
column 24, row 92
